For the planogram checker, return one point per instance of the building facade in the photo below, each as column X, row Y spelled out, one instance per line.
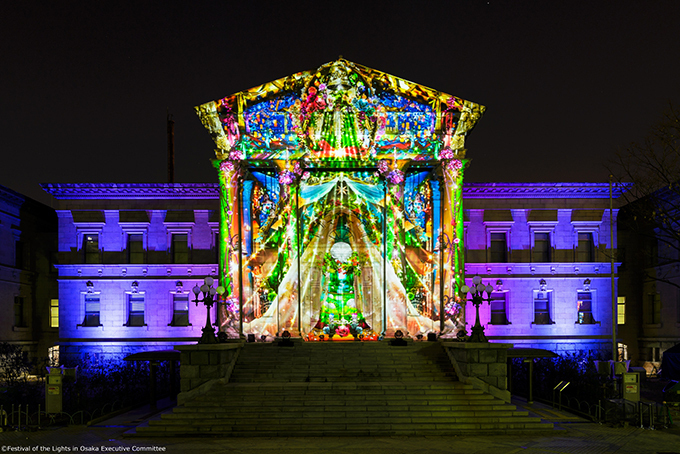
column 546, row 249
column 649, row 295
column 28, row 279
column 339, row 213
column 131, row 253
column 129, row 256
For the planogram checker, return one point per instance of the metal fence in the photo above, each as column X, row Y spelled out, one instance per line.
column 647, row 415
column 26, row 418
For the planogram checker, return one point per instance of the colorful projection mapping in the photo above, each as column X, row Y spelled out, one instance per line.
column 341, row 214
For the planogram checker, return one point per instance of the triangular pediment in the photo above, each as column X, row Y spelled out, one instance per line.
column 341, row 112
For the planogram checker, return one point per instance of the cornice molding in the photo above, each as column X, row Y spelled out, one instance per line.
column 103, row 191
column 11, row 197
column 542, row 190
column 137, row 191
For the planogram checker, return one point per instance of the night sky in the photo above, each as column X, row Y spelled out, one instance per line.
column 85, row 86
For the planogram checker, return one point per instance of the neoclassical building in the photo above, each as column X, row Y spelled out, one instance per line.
column 339, row 213
column 130, row 254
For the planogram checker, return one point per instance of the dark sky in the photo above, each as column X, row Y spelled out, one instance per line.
column 85, row 86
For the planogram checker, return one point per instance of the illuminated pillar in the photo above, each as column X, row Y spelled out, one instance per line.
column 296, row 221
column 247, row 188
column 451, row 245
column 229, row 246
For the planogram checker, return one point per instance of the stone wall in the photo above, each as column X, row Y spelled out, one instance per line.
column 483, row 365
column 202, row 365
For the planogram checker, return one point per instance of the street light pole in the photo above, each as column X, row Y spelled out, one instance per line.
column 208, row 298
column 477, row 292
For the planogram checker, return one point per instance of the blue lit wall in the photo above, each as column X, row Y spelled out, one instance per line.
column 159, row 211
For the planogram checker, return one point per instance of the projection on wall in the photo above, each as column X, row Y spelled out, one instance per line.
column 341, row 214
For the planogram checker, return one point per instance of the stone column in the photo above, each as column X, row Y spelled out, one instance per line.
column 452, row 234
column 230, row 246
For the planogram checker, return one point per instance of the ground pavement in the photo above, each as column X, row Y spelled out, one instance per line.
column 572, row 435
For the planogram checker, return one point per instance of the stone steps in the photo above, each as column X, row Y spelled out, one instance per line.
column 343, row 389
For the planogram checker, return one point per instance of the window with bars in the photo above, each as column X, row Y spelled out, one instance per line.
column 180, row 309
column 54, row 313
column 621, row 310
column 92, row 310
column 135, row 309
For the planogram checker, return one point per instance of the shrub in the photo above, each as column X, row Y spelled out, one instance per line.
column 14, row 365
column 576, row 368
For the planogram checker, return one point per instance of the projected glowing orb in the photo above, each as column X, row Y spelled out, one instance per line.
column 341, row 251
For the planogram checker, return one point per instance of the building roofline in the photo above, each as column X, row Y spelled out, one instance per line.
column 137, row 191
column 543, row 190
column 117, row 191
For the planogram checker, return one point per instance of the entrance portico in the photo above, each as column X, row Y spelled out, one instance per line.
column 341, row 209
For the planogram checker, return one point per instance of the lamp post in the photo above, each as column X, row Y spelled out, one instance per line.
column 477, row 290
column 208, row 298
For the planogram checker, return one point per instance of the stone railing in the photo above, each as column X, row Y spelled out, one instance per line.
column 482, row 365
column 204, row 365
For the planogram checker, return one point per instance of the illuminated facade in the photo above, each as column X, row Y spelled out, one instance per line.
column 336, row 187
column 338, row 215
column 130, row 253
column 546, row 249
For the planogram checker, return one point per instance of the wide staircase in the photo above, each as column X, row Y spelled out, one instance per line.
column 343, row 389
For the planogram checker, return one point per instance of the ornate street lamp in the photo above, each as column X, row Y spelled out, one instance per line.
column 208, row 298
column 477, row 290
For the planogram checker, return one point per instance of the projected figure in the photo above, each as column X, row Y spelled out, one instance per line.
column 342, row 268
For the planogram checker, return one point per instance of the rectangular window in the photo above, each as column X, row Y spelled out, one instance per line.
column 584, row 307
column 654, row 308
column 498, row 248
column 180, row 248
column 91, row 310
column 498, row 312
column 180, row 309
column 54, row 313
column 216, row 251
column 19, row 319
column 621, row 310
column 135, row 248
column 585, row 250
column 19, row 261
column 541, row 247
column 542, row 308
column 652, row 252
column 135, row 309
column 91, row 247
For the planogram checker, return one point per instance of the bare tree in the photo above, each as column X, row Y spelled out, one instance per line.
column 653, row 209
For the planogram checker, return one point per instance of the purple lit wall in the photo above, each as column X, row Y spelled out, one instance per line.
column 553, row 232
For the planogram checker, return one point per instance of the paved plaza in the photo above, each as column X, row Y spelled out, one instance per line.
column 572, row 435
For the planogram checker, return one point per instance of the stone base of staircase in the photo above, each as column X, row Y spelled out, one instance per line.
column 353, row 389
